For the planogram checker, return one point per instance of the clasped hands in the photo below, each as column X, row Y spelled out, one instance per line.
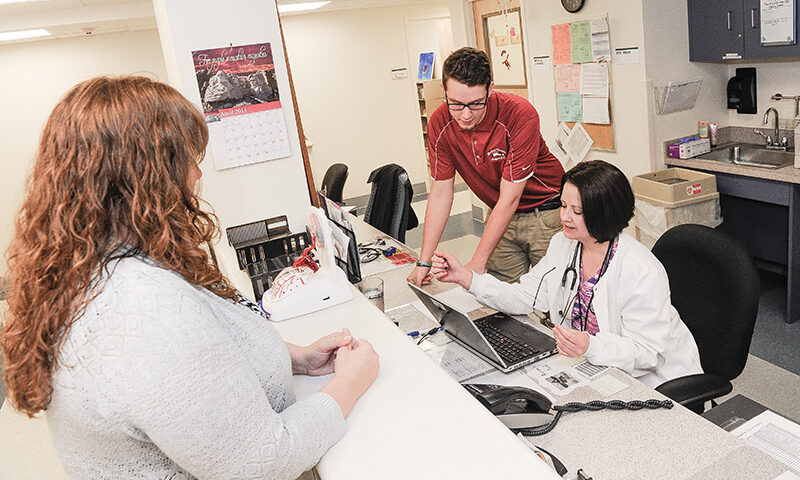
column 332, row 352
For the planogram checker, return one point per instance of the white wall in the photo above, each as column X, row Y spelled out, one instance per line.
column 352, row 110
column 667, row 47
column 35, row 76
column 666, row 33
column 428, row 34
column 628, row 89
column 253, row 192
column 771, row 78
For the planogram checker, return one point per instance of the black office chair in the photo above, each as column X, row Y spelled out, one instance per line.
column 715, row 288
column 333, row 182
column 389, row 206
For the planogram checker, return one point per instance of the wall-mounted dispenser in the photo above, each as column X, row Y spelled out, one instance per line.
column 742, row 91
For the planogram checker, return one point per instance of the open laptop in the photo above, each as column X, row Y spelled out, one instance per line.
column 501, row 340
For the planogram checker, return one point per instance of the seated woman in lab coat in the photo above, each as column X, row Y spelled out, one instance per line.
column 607, row 295
column 145, row 359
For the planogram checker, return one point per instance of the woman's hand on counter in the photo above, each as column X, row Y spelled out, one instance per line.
column 318, row 358
column 356, row 368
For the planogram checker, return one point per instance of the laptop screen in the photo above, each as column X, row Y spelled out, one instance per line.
column 458, row 325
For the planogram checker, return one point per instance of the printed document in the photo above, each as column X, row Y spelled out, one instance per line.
column 774, row 435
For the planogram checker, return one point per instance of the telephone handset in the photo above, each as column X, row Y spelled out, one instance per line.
column 517, row 407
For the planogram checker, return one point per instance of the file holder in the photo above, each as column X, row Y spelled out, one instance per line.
column 351, row 265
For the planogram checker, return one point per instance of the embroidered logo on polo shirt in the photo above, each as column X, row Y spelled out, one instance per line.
column 496, row 155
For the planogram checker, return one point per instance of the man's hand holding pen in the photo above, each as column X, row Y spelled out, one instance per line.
column 446, row 268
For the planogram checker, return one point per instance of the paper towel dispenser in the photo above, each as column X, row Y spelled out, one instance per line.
column 742, row 91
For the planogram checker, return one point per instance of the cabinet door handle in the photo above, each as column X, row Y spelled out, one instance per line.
column 753, row 17
column 729, row 19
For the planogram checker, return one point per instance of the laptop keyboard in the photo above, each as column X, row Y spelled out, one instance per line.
column 509, row 349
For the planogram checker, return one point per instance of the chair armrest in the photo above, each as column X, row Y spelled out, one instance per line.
column 693, row 390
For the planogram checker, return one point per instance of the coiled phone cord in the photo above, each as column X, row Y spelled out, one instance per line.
column 594, row 406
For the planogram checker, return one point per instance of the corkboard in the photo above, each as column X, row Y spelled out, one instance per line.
column 602, row 135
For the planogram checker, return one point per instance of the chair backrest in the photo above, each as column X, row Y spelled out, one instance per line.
column 389, row 206
column 715, row 287
column 333, row 182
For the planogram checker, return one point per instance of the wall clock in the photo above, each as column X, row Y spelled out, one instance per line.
column 572, row 6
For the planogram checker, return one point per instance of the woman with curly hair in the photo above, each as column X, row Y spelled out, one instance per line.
column 149, row 364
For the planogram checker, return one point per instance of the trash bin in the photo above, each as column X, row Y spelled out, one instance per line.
column 672, row 197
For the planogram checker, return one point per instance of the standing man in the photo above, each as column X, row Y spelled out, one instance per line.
column 492, row 139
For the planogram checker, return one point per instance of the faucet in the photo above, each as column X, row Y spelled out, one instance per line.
column 774, row 143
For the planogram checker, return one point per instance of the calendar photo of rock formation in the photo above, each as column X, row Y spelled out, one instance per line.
column 236, row 80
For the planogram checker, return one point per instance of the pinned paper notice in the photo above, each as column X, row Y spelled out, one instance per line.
column 595, row 110
column 560, row 43
column 578, row 143
column 569, row 107
column 601, row 47
column 568, row 78
column 580, row 41
column 594, row 79
column 557, row 148
column 599, row 25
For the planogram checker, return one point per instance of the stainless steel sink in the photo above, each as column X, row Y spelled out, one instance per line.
column 751, row 155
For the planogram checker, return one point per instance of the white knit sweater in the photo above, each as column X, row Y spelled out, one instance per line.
column 159, row 379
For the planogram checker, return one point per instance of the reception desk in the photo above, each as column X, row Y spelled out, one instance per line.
column 415, row 421
column 418, row 422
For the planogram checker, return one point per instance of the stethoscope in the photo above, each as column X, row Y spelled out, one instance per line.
column 572, row 271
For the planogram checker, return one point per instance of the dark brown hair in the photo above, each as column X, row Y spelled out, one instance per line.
column 109, row 181
column 468, row 66
column 606, row 197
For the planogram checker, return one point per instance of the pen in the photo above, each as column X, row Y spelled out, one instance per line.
column 417, row 333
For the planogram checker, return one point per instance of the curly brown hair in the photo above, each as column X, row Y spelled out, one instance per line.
column 109, row 181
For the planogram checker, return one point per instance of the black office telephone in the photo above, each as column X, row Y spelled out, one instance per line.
column 517, row 407
column 526, row 411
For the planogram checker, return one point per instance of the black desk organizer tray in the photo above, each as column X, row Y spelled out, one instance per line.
column 265, row 248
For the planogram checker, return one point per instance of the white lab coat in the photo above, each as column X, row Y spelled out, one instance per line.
column 640, row 331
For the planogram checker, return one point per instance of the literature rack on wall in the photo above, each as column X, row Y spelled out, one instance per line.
column 346, row 258
column 581, row 58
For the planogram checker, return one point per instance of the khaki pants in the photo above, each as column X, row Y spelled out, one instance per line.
column 523, row 244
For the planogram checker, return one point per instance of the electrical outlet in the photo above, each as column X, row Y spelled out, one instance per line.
column 787, row 124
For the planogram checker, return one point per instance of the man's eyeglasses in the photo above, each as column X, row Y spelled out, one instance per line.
column 457, row 107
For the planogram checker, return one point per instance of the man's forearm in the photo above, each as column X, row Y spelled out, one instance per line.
column 436, row 214
column 495, row 227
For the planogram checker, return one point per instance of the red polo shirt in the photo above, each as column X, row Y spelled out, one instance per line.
column 506, row 144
